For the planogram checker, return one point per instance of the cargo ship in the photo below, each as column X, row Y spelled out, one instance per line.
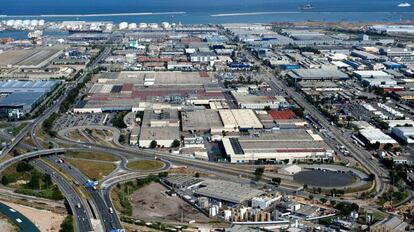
column 404, row 4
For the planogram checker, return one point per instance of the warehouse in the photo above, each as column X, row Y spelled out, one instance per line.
column 239, row 120
column 318, row 74
column 292, row 144
column 29, row 58
column 161, row 126
column 226, row 191
column 372, row 137
column 371, row 74
column 18, row 98
column 202, row 121
column 258, row 102
column 406, row 134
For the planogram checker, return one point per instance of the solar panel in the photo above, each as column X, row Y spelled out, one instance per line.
column 235, row 144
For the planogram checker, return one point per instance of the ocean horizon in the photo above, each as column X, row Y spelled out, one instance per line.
column 202, row 12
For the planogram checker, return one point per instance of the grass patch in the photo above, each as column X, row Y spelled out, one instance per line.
column 15, row 130
column 26, row 180
column 121, row 193
column 4, row 124
column 92, row 169
column 145, row 165
column 92, row 156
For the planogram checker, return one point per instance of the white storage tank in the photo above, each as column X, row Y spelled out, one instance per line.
column 153, row 25
column 132, row 26
column 143, row 25
column 165, row 25
column 34, row 22
column 10, row 23
column 123, row 26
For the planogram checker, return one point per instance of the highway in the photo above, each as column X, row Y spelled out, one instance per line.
column 109, row 220
column 361, row 155
column 77, row 205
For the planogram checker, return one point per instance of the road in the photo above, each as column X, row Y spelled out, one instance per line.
column 361, row 155
column 79, row 209
column 109, row 220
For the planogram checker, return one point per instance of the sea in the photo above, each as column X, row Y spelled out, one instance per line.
column 207, row 11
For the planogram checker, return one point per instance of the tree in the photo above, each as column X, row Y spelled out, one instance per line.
column 23, row 166
column 323, row 200
column 175, row 143
column 276, row 180
column 67, row 225
column 5, row 180
column 47, row 179
column 56, row 193
column 34, row 182
column 153, row 144
column 258, row 173
column 267, row 108
column 162, row 174
column 388, row 147
column 310, row 197
column 197, row 175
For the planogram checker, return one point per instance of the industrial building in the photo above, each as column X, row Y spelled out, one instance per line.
column 318, row 74
column 406, row 134
column 226, row 192
column 239, row 120
column 136, row 91
column 257, row 102
column 292, row 144
column 18, row 98
column 202, row 121
column 376, row 136
column 391, row 224
column 29, row 58
column 161, row 126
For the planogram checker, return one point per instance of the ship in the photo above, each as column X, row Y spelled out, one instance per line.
column 307, row 7
column 404, row 4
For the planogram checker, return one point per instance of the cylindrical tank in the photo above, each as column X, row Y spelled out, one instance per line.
column 132, row 26
column 143, row 25
column 123, row 26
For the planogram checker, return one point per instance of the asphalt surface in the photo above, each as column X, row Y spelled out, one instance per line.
column 24, row 224
column 78, row 206
column 109, row 220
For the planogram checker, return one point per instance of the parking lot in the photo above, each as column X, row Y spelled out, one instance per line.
column 72, row 120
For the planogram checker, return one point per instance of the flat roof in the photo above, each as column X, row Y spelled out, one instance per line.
column 201, row 119
column 139, row 78
column 243, row 118
column 160, row 133
column 314, row 74
column 227, row 191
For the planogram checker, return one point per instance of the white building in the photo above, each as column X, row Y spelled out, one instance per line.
column 406, row 134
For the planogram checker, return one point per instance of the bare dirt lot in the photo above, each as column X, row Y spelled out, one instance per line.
column 151, row 203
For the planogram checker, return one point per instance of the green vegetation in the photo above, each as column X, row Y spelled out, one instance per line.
column 118, row 120
column 122, row 192
column 153, row 144
column 15, row 130
column 67, row 224
column 30, row 181
column 145, row 165
column 176, row 143
column 276, row 180
column 258, row 173
column 93, row 169
column 48, row 124
column 346, row 208
column 71, row 97
column 92, row 156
